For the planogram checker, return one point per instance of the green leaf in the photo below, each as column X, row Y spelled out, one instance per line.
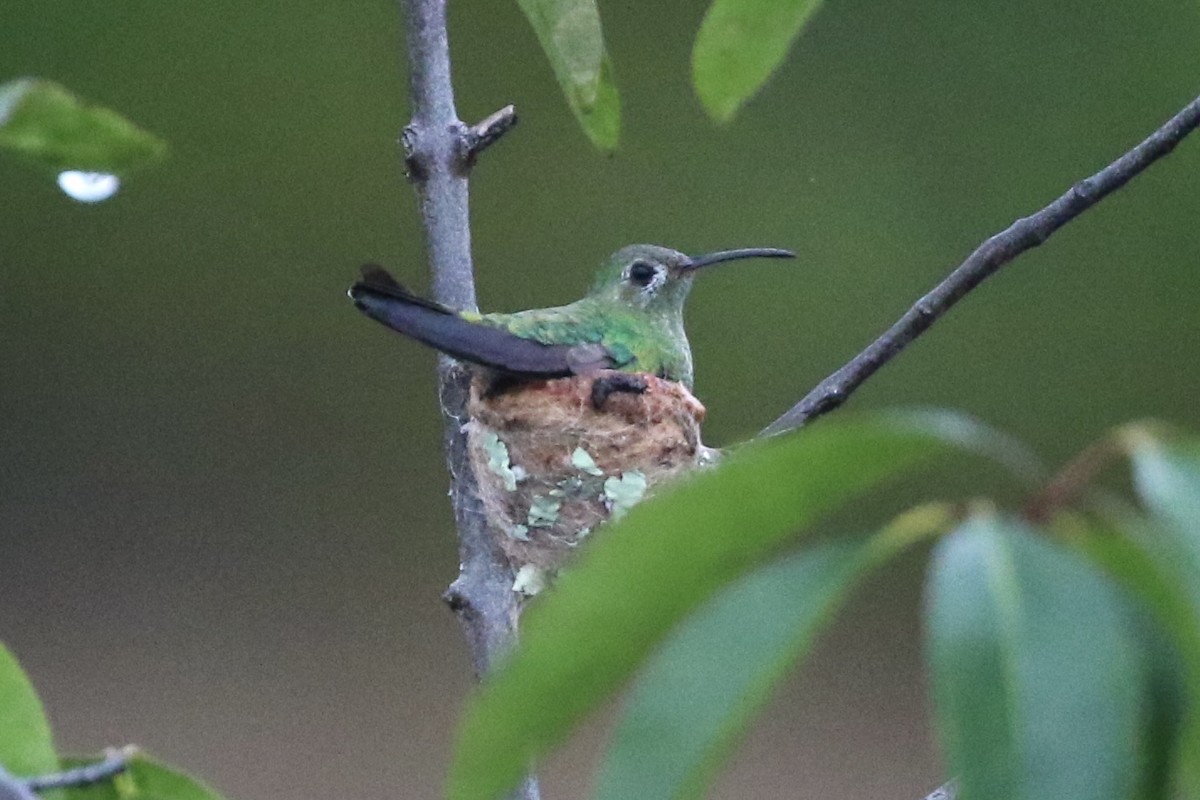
column 740, row 43
column 970, row 435
column 645, row 574
column 695, row 697
column 1167, row 478
column 1123, row 553
column 1166, row 475
column 1038, row 680
column 570, row 33
column 145, row 779
column 26, row 746
column 48, row 125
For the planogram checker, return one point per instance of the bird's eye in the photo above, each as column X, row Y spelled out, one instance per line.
column 641, row 273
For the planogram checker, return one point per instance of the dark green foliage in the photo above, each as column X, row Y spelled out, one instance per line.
column 740, row 44
column 1064, row 658
column 1036, row 671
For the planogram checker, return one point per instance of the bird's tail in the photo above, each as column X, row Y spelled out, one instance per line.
column 382, row 298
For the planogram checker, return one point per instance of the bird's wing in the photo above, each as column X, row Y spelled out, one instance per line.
column 382, row 298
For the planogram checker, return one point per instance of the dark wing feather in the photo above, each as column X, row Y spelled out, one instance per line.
column 382, row 298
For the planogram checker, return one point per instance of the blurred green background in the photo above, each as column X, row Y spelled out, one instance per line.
column 223, row 523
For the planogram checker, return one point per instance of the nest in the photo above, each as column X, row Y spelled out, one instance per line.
column 551, row 467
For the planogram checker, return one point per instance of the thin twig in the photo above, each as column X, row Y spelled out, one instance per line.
column 1024, row 234
column 115, row 762
column 438, row 155
column 489, row 130
column 1072, row 479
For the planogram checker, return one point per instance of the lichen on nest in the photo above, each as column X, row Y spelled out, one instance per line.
column 551, row 467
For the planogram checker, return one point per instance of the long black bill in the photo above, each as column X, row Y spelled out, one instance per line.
column 731, row 255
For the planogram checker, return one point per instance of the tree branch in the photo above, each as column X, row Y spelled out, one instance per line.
column 439, row 152
column 1024, row 234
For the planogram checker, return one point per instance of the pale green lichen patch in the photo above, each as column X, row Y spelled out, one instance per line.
column 498, row 462
column 623, row 493
column 530, row 580
column 519, row 532
column 567, row 487
column 543, row 511
column 583, row 461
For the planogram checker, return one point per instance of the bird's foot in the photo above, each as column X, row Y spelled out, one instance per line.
column 606, row 385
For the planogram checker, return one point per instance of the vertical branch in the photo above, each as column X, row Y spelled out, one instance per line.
column 434, row 147
column 440, row 150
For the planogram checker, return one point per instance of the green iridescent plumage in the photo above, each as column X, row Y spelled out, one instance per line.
column 631, row 320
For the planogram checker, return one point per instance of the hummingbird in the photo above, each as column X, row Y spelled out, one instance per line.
column 552, row 455
column 631, row 321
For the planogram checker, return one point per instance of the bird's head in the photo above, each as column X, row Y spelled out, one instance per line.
column 656, row 279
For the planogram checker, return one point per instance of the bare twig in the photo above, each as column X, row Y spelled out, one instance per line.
column 1024, row 234
column 488, row 131
column 114, row 763
column 1072, row 479
column 439, row 152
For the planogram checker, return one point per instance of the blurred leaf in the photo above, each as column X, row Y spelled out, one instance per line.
column 740, row 43
column 1127, row 554
column 1167, row 478
column 46, row 124
column 1163, row 725
column 696, row 695
column 1166, row 473
column 648, row 572
column 571, row 35
column 973, row 436
column 26, row 746
column 1037, row 677
column 144, row 780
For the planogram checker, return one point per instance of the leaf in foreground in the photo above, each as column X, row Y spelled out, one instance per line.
column 740, row 43
column 699, row 691
column 26, row 746
column 1037, row 676
column 1127, row 554
column 1166, row 473
column 45, row 123
column 648, row 572
column 1167, row 477
column 570, row 34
